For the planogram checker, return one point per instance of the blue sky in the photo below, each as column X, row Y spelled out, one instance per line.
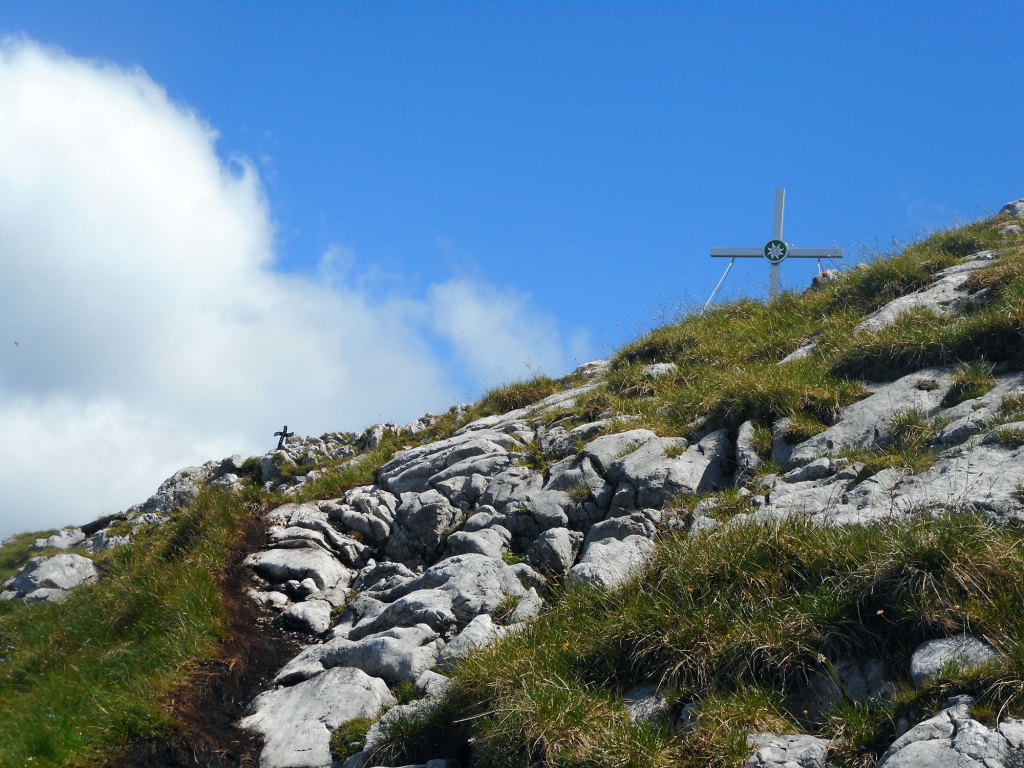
column 557, row 170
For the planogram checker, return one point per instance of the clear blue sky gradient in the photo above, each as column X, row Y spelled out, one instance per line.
column 587, row 153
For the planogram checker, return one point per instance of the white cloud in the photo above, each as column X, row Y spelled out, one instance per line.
column 152, row 330
column 494, row 332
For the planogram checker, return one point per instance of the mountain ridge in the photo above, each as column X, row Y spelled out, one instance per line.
column 440, row 576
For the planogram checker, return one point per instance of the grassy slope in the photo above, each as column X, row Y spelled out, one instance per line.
column 79, row 679
column 739, row 619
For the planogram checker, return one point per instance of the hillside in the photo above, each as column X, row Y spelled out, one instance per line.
column 775, row 534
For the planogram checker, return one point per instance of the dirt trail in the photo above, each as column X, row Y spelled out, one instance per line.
column 216, row 696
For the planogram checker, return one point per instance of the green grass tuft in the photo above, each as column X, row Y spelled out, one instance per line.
column 733, row 621
column 80, row 678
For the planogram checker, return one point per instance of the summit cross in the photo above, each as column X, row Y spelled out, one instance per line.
column 284, row 434
column 775, row 251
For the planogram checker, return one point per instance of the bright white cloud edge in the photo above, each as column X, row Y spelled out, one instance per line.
column 152, row 329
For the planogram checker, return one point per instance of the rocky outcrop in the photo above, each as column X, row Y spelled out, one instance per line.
column 47, row 579
column 952, row 739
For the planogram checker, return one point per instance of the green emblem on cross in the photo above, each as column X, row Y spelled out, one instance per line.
column 775, row 251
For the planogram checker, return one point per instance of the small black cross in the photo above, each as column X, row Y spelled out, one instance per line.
column 284, row 434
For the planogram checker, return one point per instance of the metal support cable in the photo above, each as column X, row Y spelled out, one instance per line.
column 712, row 296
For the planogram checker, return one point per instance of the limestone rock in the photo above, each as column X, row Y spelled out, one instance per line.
column 665, row 467
column 636, row 524
column 53, row 575
column 1014, row 208
column 963, row 650
column 280, row 565
column 65, row 538
column 490, row 542
column 747, row 460
column 297, row 722
column 944, row 297
column 394, row 655
column 176, row 491
column 866, row 424
column 104, row 540
column 555, row 550
column 474, row 584
column 421, row 522
column 660, row 370
column 313, row 616
column 609, row 562
column 951, row 739
column 644, row 703
column 432, row 607
column 528, row 607
column 479, row 633
column 786, row 751
column 602, row 451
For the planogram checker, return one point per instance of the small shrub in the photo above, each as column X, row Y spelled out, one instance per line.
column 511, row 558
column 1013, row 437
column 1012, row 407
column 251, row 470
column 675, row 450
column 762, row 441
column 518, row 394
column 910, row 428
column 580, row 493
column 405, row 692
column 349, row 737
column 971, row 380
column 505, row 608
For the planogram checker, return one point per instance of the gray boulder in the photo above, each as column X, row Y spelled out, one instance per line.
column 54, row 575
column 645, row 704
column 395, row 655
column 747, row 460
column 786, row 751
column 474, row 584
column 176, row 491
column 604, row 450
column 382, row 576
column 531, row 513
column 962, row 650
column 432, row 607
column 479, row 633
column 575, row 472
column 946, row 296
column 952, row 739
column 490, row 542
column 867, row 424
column 1014, row 208
column 528, row 607
column 104, row 540
column 65, row 538
column 555, row 550
column 421, row 523
column 664, row 467
column 660, row 370
column 411, row 470
column 609, row 562
column 297, row 722
column 368, row 511
column 635, row 524
column 281, row 565
column 313, row 616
